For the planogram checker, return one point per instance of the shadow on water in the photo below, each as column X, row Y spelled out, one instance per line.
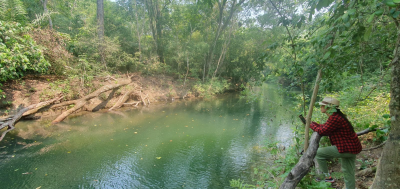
column 189, row 143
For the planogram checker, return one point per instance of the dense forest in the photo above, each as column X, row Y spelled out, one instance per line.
column 349, row 48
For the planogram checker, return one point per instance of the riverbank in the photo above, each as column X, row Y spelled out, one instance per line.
column 152, row 89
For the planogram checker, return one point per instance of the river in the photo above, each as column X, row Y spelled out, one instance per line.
column 180, row 144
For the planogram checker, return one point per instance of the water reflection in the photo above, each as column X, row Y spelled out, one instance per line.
column 195, row 144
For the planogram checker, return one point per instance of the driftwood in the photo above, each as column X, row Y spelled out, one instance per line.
column 24, row 112
column 122, row 100
column 79, row 103
column 125, row 97
column 303, row 166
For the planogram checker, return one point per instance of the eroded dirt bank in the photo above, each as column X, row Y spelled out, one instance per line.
column 148, row 89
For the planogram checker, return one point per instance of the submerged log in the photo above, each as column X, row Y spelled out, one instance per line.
column 24, row 112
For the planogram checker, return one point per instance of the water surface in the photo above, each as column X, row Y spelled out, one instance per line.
column 179, row 144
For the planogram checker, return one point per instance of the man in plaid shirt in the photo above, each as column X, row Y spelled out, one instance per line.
column 345, row 143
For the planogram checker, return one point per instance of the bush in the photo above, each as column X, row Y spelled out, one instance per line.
column 19, row 53
column 211, row 87
column 55, row 52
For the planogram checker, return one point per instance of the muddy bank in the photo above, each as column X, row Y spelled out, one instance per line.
column 34, row 89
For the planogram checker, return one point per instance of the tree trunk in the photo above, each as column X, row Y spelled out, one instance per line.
column 388, row 172
column 138, row 32
column 222, row 24
column 303, row 166
column 46, row 12
column 310, row 109
column 100, row 30
column 156, row 25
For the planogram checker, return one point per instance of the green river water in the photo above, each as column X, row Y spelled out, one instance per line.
column 179, row 144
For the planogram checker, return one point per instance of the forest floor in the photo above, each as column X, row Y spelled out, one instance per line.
column 34, row 89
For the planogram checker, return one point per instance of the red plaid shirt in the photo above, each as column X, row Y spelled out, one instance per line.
column 340, row 134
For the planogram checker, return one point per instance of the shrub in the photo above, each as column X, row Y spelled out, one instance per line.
column 19, row 53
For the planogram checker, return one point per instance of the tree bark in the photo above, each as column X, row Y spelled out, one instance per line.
column 138, row 32
column 303, row 166
column 156, row 25
column 46, row 12
column 100, row 30
column 310, row 109
column 388, row 170
column 222, row 24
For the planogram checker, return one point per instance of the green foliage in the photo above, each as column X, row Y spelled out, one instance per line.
column 239, row 184
column 55, row 53
column 12, row 10
column 19, row 53
column 210, row 88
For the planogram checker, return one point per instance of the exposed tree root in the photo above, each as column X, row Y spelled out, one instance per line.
column 24, row 112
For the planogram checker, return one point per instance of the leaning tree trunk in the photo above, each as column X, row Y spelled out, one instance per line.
column 310, row 109
column 388, row 172
column 303, row 166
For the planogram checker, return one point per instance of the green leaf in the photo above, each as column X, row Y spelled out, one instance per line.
column 396, row 14
column 374, row 127
column 396, row 1
column 327, row 54
column 385, row 130
column 367, row 33
column 390, row 3
column 386, row 116
column 345, row 17
column 379, row 12
column 371, row 17
column 351, row 11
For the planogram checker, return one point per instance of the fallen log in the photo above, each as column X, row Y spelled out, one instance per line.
column 122, row 100
column 303, row 166
column 79, row 103
column 24, row 112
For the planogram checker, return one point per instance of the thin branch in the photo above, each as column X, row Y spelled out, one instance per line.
column 375, row 147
